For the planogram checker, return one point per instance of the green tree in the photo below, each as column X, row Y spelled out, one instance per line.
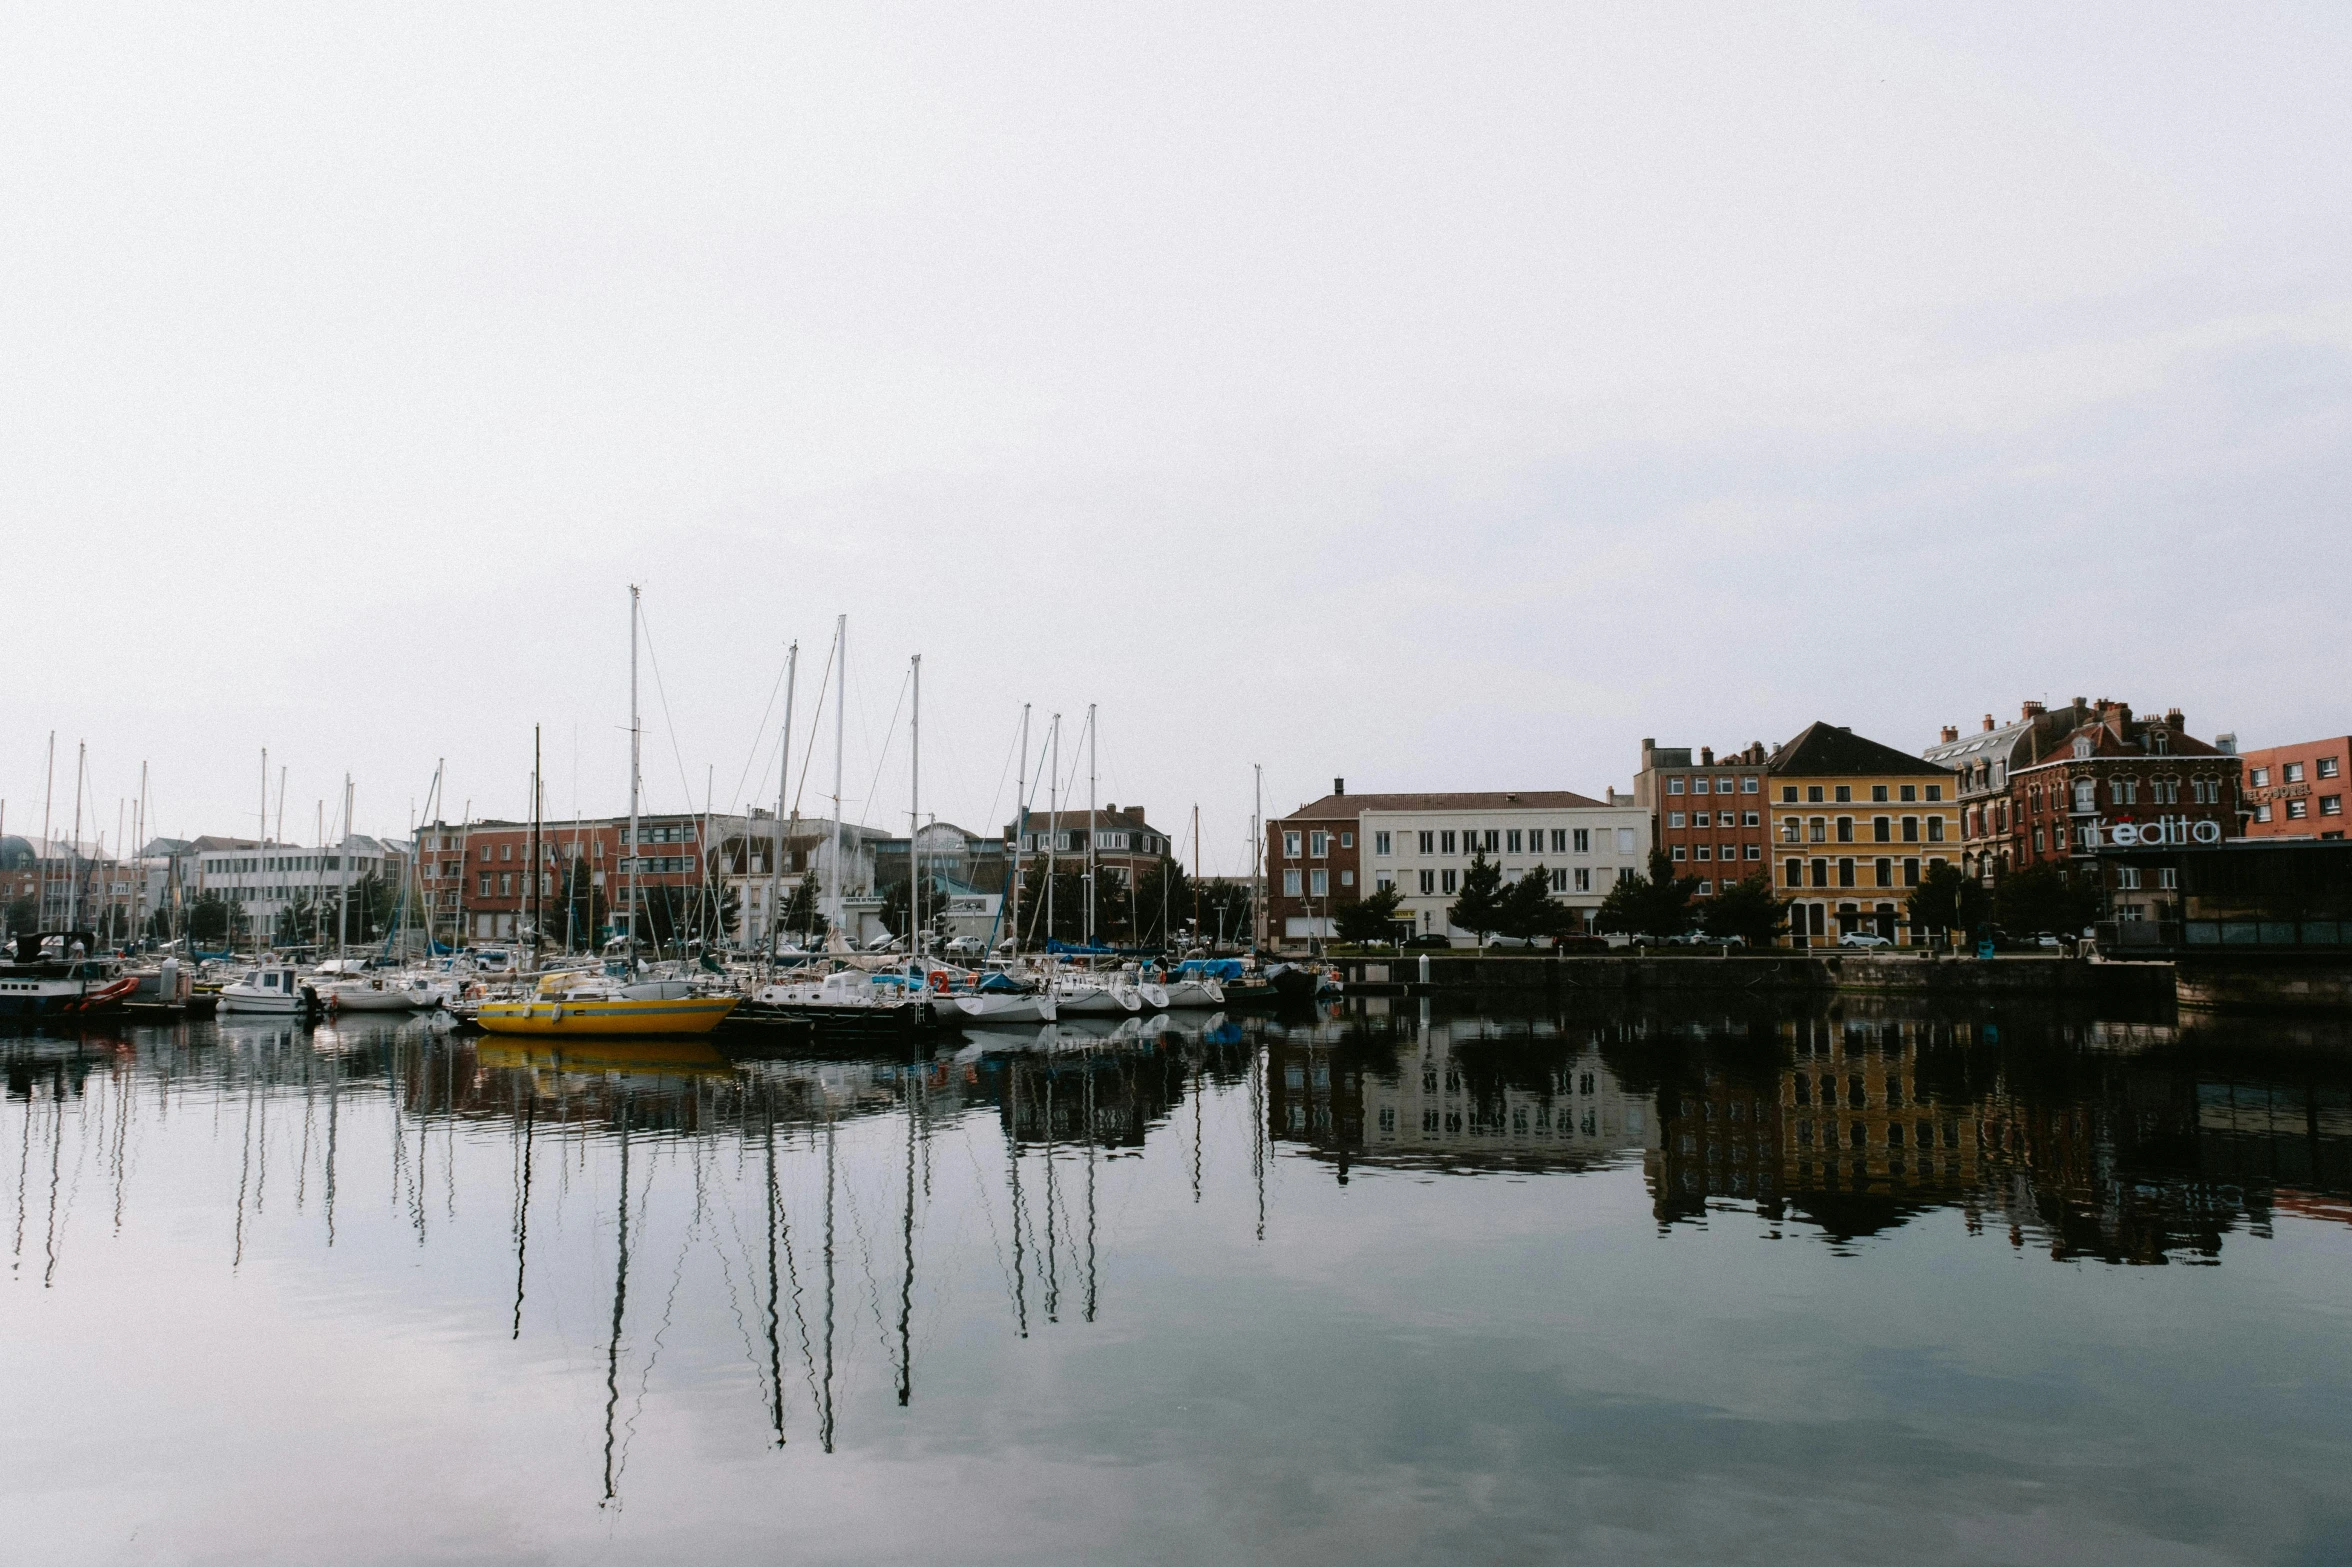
column 24, row 913
column 1654, row 905
column 580, row 911
column 1946, row 900
column 1746, row 909
column 804, row 920
column 1528, row 911
column 1479, row 908
column 1227, row 913
column 2044, row 897
column 1164, row 889
column 214, row 921
column 1368, row 919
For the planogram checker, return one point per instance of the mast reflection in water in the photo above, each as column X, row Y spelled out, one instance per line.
column 1228, row 1251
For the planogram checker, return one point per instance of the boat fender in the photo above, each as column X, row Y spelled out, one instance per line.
column 556, row 1016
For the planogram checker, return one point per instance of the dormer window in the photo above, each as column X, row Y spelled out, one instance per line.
column 2160, row 741
column 2082, row 749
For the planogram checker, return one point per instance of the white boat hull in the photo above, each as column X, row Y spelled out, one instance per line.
column 1195, row 993
column 988, row 1008
column 1097, row 1003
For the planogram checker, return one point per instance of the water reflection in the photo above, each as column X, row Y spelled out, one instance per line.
column 817, row 1238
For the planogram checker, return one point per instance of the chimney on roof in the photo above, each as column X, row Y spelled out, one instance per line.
column 2031, row 710
column 1706, row 756
column 2227, row 745
column 1339, row 786
column 2172, row 718
column 1951, row 733
column 1990, row 726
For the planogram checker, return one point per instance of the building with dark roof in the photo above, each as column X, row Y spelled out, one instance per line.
column 1990, row 826
column 1855, row 826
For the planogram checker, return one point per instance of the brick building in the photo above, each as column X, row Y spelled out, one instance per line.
column 1709, row 816
column 1990, row 826
column 2116, row 770
column 2296, row 791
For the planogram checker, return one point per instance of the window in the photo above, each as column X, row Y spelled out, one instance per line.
column 1674, row 818
column 1845, row 873
column 2127, row 877
column 1559, row 840
column 1380, row 845
column 2124, row 791
column 2259, row 777
column 1677, row 851
column 1755, row 851
column 2039, row 845
column 1788, row 794
column 2261, row 812
column 1845, row 826
column 1428, row 843
column 1583, row 879
column 1882, row 829
column 1447, row 880
column 2331, row 805
column 2164, row 791
column 485, row 854
column 1878, row 793
column 2294, row 771
column 1699, row 819
column 1812, row 794
column 1794, row 873
column 1910, row 873
column 1347, row 878
column 1347, row 840
column 485, row 881
column 2168, row 877
column 1383, row 881
column 1290, row 845
column 1821, row 873
column 1513, row 840
column 1935, row 829
column 1749, row 784
column 1624, row 874
column 1290, row 884
column 1910, row 793
column 1559, row 879
column 2086, row 796
column 1674, row 786
column 1318, row 844
column 1749, row 819
column 2297, row 810
column 1845, row 794
column 1491, row 836
column 1445, row 841
column 1319, row 883
column 1884, row 873
column 1706, row 888
column 1584, row 840
column 2058, row 839
column 2327, row 767
column 1428, row 882
column 1792, row 830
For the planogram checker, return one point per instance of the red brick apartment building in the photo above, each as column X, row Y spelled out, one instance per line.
column 1710, row 816
column 2118, row 771
column 2296, row 791
column 476, row 877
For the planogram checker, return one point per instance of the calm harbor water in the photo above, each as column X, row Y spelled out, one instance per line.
column 1861, row 1284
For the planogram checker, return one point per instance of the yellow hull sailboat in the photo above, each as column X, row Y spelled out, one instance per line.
column 570, row 1006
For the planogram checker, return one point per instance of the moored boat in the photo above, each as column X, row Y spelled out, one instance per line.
column 593, row 1005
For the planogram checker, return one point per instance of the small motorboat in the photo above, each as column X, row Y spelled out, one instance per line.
column 270, row 988
column 57, row 974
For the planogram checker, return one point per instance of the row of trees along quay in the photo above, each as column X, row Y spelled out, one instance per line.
column 1158, row 911
column 1663, row 904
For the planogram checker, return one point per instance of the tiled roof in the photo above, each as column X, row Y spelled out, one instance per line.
column 1529, row 800
column 1827, row 751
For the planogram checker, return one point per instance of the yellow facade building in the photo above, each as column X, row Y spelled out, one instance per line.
column 1855, row 826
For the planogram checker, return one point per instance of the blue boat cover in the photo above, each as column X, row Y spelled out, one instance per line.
column 1218, row 969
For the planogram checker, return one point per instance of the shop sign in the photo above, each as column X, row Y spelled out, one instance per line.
column 2163, row 832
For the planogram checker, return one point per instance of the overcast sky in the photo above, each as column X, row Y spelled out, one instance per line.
column 1439, row 396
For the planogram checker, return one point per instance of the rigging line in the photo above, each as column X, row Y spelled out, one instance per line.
column 760, row 733
column 669, row 720
column 888, row 735
column 808, row 752
column 996, row 799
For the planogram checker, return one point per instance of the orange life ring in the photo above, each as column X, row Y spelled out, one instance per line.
column 939, row 980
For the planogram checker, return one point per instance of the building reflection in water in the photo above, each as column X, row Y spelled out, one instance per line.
column 2126, row 1142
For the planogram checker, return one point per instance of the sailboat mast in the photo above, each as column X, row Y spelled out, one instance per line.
column 1053, row 822
column 775, row 924
column 1196, row 925
column 343, row 878
column 1093, row 891
column 840, row 737
column 1258, row 855
column 629, row 849
column 1020, row 826
column 915, row 814
column 534, row 882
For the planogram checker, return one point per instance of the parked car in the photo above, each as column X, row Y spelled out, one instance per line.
column 1863, row 938
column 2047, row 942
column 1430, row 941
column 1583, row 944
